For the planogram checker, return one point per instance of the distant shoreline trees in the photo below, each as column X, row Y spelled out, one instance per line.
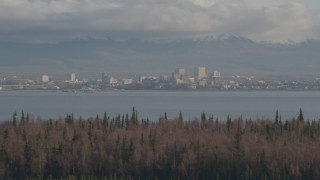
column 125, row 147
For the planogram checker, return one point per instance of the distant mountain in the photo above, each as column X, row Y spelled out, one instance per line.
column 228, row 54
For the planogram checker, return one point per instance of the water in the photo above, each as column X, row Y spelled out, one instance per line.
column 152, row 104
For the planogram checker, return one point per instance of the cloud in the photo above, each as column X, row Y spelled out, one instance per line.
column 266, row 20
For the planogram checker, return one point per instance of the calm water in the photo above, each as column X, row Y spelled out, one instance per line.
column 152, row 104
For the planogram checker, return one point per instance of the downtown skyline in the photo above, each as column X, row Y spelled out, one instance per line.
column 246, row 37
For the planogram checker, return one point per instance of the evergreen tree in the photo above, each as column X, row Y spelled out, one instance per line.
column 105, row 122
column 22, row 117
column 277, row 117
column 228, row 123
column 105, row 116
column 127, row 121
column 134, row 117
column 27, row 117
column 203, row 117
column 14, row 119
column 180, row 116
column 122, row 121
column 300, row 117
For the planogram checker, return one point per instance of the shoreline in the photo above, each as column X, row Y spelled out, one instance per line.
column 157, row 90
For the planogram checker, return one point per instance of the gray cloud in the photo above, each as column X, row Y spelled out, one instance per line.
column 266, row 20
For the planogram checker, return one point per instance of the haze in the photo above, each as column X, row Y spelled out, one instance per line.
column 264, row 37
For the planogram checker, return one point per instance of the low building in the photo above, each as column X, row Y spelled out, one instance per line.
column 127, row 81
column 202, row 83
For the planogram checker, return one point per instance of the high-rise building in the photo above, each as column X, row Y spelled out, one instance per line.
column 45, row 78
column 179, row 71
column 104, row 77
column 216, row 74
column 108, row 80
column 175, row 76
column 215, row 78
column 185, row 79
column 199, row 73
column 73, row 77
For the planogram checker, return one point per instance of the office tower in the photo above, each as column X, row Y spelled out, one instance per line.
column 199, row 73
column 215, row 78
column 104, row 77
column 216, row 74
column 73, row 77
column 179, row 71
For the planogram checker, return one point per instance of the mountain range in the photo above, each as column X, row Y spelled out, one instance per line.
column 229, row 54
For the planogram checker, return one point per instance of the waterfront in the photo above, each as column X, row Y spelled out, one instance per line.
column 152, row 104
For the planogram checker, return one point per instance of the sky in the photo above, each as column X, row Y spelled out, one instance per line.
column 259, row 20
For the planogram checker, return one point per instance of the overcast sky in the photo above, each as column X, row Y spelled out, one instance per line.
column 260, row 20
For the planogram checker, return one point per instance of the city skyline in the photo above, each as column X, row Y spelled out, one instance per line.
column 202, row 79
column 247, row 37
column 254, row 36
column 215, row 87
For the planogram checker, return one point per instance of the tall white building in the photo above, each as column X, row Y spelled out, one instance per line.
column 215, row 78
column 216, row 74
column 45, row 78
column 200, row 73
column 73, row 77
column 108, row 80
column 179, row 71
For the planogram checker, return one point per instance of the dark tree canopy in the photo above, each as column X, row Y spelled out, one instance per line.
column 121, row 147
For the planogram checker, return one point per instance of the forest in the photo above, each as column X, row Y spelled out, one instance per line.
column 128, row 147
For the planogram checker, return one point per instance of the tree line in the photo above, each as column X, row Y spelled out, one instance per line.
column 128, row 147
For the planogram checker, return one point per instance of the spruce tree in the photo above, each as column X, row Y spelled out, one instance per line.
column 300, row 117
column 22, row 117
column 14, row 119
column 180, row 116
column 277, row 117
